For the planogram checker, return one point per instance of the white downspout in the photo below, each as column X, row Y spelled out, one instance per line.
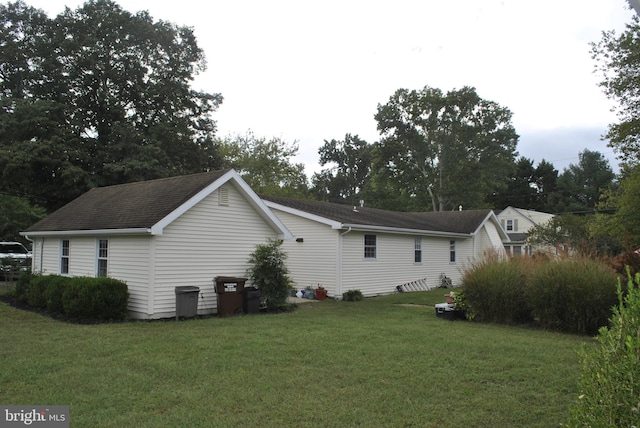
column 340, row 262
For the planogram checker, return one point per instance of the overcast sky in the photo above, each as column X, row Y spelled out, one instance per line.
column 310, row 71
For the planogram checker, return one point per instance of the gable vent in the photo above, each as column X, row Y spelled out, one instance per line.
column 223, row 196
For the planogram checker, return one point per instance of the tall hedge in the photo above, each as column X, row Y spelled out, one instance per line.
column 573, row 295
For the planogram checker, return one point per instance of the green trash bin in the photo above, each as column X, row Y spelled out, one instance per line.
column 230, row 291
column 187, row 301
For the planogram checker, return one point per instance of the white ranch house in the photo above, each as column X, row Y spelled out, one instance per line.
column 342, row 247
column 185, row 231
column 156, row 235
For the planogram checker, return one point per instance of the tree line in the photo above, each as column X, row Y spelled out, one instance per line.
column 99, row 96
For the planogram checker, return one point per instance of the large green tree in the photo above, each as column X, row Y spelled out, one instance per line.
column 618, row 62
column 580, row 185
column 350, row 165
column 98, row 96
column 267, row 165
column 447, row 149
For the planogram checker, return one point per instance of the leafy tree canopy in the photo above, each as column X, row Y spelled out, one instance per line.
column 265, row 164
column 447, row 149
column 98, row 96
column 350, row 161
column 618, row 57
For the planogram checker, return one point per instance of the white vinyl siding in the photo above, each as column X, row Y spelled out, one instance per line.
column 315, row 260
column 208, row 240
column 129, row 261
column 395, row 263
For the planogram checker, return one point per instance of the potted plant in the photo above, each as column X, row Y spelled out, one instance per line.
column 321, row 292
column 450, row 297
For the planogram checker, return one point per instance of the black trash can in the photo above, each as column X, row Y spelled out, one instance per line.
column 251, row 300
column 230, row 292
column 187, row 301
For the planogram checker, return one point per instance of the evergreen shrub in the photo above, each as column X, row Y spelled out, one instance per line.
column 352, row 296
column 269, row 273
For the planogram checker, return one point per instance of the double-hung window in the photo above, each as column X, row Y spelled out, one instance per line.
column 452, row 251
column 103, row 253
column 370, row 246
column 64, row 257
column 417, row 250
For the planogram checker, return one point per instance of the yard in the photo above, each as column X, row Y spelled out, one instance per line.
column 380, row 362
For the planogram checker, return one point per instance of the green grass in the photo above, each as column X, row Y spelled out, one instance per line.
column 370, row 363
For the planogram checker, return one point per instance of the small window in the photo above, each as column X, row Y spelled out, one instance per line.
column 417, row 250
column 370, row 246
column 103, row 253
column 517, row 250
column 452, row 251
column 507, row 248
column 64, row 257
column 509, row 225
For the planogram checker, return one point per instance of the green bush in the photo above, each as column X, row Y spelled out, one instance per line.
column 36, row 292
column 269, row 274
column 572, row 295
column 22, row 286
column 609, row 387
column 53, row 293
column 352, row 296
column 103, row 299
column 495, row 290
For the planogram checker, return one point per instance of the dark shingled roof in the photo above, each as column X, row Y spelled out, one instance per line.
column 465, row 222
column 126, row 206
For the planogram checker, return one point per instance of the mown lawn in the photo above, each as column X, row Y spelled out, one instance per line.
column 370, row 363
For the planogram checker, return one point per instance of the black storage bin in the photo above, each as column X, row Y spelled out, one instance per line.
column 230, row 292
column 187, row 301
column 251, row 300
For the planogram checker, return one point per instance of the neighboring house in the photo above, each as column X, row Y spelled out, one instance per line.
column 156, row 235
column 343, row 247
column 517, row 222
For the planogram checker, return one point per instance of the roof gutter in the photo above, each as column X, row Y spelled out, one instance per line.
column 46, row 233
column 368, row 228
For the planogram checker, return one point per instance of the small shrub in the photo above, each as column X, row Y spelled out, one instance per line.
column 102, row 299
column 53, row 293
column 352, row 296
column 269, row 274
column 22, row 286
column 461, row 305
column 609, row 388
column 573, row 295
column 35, row 294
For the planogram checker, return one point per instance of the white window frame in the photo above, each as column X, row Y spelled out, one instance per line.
column 102, row 257
column 452, row 251
column 65, row 256
column 370, row 249
column 417, row 250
